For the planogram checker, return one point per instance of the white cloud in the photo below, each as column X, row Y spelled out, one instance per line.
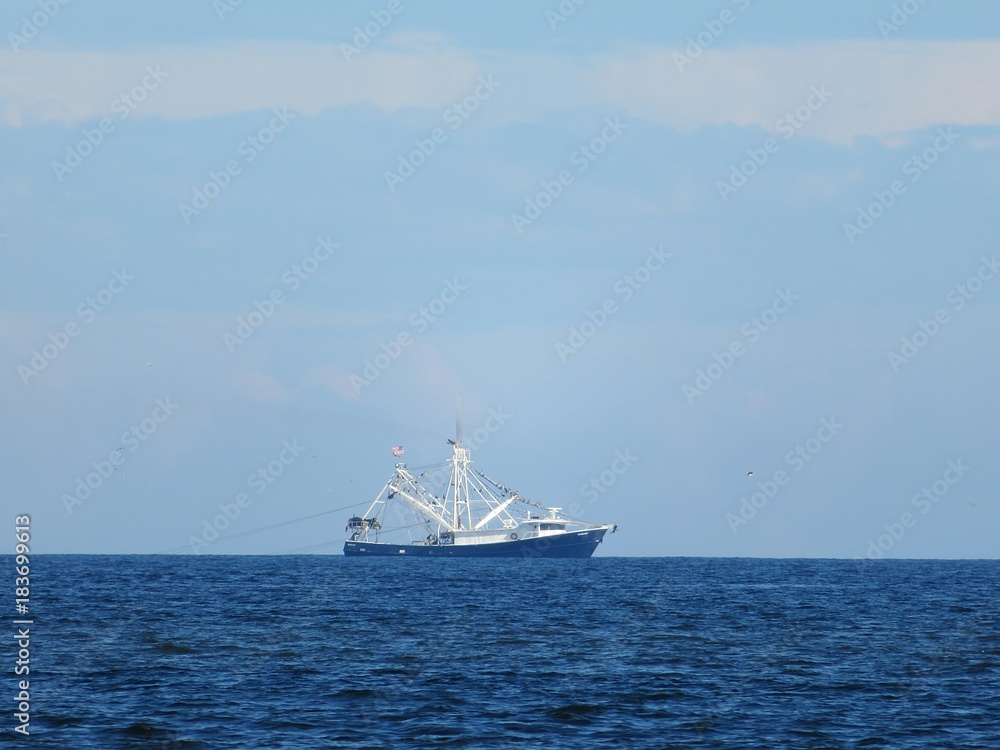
column 72, row 87
column 880, row 89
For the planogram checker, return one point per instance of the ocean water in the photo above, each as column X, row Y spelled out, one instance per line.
column 171, row 652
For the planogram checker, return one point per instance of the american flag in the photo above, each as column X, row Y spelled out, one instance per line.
column 397, row 450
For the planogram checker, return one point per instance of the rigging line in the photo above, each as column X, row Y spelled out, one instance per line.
column 341, row 541
column 427, row 466
column 311, row 546
column 268, row 528
column 413, row 525
column 509, row 491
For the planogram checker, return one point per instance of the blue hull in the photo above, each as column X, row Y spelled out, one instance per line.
column 573, row 544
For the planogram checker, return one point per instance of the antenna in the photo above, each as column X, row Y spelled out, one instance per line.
column 458, row 419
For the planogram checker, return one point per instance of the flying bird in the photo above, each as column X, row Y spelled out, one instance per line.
column 749, row 473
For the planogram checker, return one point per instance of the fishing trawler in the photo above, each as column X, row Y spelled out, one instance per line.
column 452, row 509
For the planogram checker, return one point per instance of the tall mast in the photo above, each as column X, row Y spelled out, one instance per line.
column 458, row 447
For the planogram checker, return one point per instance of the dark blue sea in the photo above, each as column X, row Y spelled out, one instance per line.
column 171, row 652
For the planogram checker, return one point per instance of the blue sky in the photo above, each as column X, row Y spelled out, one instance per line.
column 789, row 210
